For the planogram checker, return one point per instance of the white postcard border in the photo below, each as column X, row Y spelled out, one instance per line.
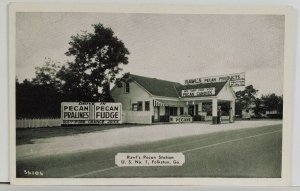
column 164, row 9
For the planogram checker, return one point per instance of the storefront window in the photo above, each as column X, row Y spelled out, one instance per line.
column 147, row 106
column 207, row 107
column 173, row 111
column 181, row 110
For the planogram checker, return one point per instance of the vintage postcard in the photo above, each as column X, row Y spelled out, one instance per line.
column 104, row 94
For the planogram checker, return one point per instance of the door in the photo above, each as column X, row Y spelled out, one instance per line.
column 156, row 113
column 191, row 110
column 196, row 110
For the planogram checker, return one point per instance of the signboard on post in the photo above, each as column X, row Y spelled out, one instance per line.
column 181, row 119
column 198, row 92
column 91, row 113
column 235, row 80
column 75, row 112
column 108, row 111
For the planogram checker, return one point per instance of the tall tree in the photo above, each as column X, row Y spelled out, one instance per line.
column 46, row 75
column 41, row 96
column 245, row 99
column 98, row 57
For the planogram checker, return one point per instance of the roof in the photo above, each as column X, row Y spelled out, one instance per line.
column 166, row 88
column 158, row 87
column 160, row 102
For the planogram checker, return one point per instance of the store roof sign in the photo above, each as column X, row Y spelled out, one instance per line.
column 235, row 80
column 198, row 92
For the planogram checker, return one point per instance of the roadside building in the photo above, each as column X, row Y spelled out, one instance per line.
column 148, row 100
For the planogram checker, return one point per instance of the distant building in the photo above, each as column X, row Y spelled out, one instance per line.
column 148, row 100
column 272, row 112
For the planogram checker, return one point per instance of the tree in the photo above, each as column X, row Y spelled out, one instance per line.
column 37, row 100
column 41, row 96
column 98, row 57
column 272, row 102
column 46, row 75
column 245, row 99
column 259, row 107
column 97, row 60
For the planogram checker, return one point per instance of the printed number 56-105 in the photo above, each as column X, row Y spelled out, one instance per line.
column 33, row 173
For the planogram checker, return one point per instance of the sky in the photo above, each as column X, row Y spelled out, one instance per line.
column 165, row 46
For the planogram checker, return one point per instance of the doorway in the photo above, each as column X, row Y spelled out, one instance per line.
column 156, row 113
column 191, row 110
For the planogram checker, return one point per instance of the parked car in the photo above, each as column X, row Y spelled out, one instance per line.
column 246, row 115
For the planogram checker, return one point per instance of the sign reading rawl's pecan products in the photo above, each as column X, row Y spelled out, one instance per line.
column 234, row 79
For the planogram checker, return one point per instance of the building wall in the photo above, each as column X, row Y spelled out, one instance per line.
column 162, row 110
column 136, row 93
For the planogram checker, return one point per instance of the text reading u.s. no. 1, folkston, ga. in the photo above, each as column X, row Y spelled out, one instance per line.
column 149, row 159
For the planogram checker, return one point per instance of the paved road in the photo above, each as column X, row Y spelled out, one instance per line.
column 127, row 136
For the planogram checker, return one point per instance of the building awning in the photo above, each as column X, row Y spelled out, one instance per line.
column 169, row 103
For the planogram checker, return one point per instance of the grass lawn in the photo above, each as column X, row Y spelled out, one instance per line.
column 26, row 135
column 254, row 152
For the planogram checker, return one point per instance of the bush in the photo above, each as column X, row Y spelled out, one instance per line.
column 275, row 116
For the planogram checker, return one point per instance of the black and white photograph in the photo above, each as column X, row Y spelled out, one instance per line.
column 115, row 95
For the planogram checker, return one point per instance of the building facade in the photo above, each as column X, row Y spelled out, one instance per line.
column 148, row 100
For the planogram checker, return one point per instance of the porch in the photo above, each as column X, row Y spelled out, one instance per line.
column 214, row 110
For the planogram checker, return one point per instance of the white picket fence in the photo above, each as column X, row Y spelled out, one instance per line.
column 35, row 123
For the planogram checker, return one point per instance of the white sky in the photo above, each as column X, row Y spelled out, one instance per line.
column 170, row 47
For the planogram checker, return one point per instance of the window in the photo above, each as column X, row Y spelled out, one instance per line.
column 167, row 111
column 126, row 87
column 207, row 107
column 140, row 106
column 134, row 107
column 173, row 111
column 181, row 110
column 147, row 106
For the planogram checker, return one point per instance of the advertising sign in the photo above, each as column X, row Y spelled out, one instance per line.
column 237, row 83
column 234, row 79
column 198, row 92
column 75, row 112
column 181, row 119
column 107, row 111
column 91, row 113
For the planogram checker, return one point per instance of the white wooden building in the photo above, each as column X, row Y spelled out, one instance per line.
column 148, row 100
